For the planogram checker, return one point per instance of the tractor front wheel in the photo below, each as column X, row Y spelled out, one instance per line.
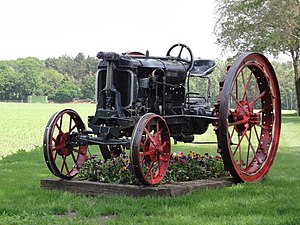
column 150, row 149
column 64, row 158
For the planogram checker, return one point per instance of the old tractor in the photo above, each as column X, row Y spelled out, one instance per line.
column 142, row 101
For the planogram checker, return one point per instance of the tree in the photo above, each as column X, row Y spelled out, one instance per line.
column 88, row 87
column 8, row 79
column 78, row 67
column 26, row 77
column 63, row 64
column 268, row 26
column 51, row 81
column 285, row 74
column 67, row 91
column 79, row 63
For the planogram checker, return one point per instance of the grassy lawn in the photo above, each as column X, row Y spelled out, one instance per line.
column 22, row 125
column 275, row 200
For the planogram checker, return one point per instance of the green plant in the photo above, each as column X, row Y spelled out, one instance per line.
column 115, row 170
column 194, row 167
column 181, row 168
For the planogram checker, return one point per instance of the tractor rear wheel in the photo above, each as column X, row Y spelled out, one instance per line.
column 150, row 149
column 248, row 128
column 63, row 158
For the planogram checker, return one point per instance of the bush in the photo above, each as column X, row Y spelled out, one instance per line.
column 181, row 168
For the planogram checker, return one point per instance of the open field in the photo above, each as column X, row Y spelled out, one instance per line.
column 22, row 125
column 275, row 200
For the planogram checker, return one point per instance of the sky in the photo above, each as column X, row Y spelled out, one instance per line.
column 52, row 28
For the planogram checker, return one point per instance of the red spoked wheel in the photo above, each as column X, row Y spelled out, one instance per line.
column 64, row 158
column 249, row 118
column 150, row 149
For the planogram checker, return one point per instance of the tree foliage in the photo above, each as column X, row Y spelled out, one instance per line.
column 55, row 78
column 62, row 79
column 8, row 80
column 68, row 91
column 270, row 26
column 51, row 82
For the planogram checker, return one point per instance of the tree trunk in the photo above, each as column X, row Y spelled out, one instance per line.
column 292, row 100
column 287, row 99
column 297, row 84
column 296, row 64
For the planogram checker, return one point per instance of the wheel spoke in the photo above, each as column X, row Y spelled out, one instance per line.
column 163, row 158
column 157, row 126
column 248, row 150
column 149, row 136
column 261, row 111
column 143, row 154
column 61, row 120
column 66, row 165
column 256, row 134
column 149, row 171
column 264, row 127
column 231, row 135
column 148, row 127
column 59, row 129
column 257, row 98
column 55, row 155
column 240, row 140
column 71, row 129
column 246, row 86
column 58, row 147
column 238, row 122
column 240, row 151
column 75, row 150
column 250, row 144
column 237, row 102
column 60, row 124
column 254, row 91
column 73, row 157
column 70, row 124
column 63, row 163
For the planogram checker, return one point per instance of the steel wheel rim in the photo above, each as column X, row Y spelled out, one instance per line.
column 250, row 134
column 63, row 160
column 150, row 149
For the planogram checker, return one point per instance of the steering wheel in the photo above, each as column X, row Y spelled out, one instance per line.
column 178, row 58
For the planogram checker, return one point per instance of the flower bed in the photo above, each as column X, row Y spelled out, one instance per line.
column 181, row 168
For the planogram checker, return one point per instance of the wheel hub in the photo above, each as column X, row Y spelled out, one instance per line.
column 62, row 140
column 244, row 112
column 155, row 149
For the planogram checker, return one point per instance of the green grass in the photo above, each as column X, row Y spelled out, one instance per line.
column 275, row 200
column 22, row 125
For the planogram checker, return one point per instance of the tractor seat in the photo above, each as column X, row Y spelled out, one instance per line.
column 202, row 67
